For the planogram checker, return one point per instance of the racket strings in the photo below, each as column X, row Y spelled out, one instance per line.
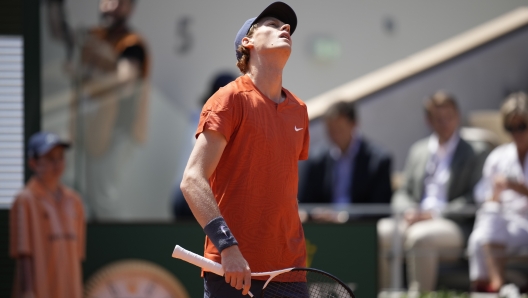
column 301, row 283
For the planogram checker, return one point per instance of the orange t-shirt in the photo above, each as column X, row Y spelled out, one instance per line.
column 52, row 233
column 255, row 182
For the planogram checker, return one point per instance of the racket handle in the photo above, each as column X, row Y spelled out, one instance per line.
column 197, row 260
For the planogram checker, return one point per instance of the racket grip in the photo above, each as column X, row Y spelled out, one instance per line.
column 197, row 260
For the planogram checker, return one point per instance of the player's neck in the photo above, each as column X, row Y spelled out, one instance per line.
column 268, row 80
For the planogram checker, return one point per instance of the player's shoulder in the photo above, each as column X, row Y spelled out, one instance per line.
column 234, row 87
column 228, row 94
column 294, row 98
column 240, row 86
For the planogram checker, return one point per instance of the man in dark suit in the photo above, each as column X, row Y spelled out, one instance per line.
column 353, row 170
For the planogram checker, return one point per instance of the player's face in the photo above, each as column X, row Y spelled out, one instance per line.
column 51, row 164
column 272, row 33
column 115, row 12
column 444, row 121
column 340, row 130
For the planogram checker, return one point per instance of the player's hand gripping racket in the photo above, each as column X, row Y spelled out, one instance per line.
column 290, row 282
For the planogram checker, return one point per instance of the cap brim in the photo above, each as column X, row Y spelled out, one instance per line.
column 281, row 11
column 48, row 148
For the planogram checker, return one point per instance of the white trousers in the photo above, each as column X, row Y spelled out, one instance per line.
column 493, row 226
column 424, row 244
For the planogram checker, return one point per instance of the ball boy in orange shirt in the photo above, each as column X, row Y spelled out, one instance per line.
column 47, row 227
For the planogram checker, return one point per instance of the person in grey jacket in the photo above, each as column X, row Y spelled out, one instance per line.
column 438, row 180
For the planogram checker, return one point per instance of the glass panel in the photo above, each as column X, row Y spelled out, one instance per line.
column 99, row 91
column 11, row 118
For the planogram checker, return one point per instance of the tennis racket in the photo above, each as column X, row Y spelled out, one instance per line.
column 285, row 283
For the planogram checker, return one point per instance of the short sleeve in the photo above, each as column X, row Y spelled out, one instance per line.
column 306, row 141
column 19, row 228
column 221, row 113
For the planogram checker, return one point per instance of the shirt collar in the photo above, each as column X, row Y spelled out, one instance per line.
column 352, row 149
column 40, row 190
column 447, row 148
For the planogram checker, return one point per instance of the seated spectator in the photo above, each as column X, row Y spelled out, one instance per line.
column 501, row 225
column 353, row 170
column 47, row 227
column 439, row 175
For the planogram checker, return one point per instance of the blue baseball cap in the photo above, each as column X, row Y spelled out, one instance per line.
column 278, row 10
column 42, row 142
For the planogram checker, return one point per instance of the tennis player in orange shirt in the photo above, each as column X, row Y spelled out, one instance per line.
column 241, row 178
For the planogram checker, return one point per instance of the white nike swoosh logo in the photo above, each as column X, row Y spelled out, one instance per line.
column 297, row 129
column 223, row 230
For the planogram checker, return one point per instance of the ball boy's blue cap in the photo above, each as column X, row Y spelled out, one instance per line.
column 278, row 10
column 42, row 142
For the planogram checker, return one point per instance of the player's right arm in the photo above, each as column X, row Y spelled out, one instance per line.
column 197, row 192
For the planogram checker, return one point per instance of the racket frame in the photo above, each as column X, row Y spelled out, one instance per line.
column 216, row 268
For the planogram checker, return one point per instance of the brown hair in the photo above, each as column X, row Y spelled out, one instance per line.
column 243, row 62
column 439, row 99
column 515, row 104
column 342, row 109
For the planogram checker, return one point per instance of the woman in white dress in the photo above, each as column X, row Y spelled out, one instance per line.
column 501, row 226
